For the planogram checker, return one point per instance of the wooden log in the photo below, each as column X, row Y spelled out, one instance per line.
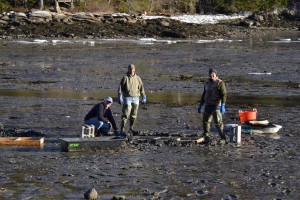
column 255, row 122
column 21, row 141
column 200, row 140
column 197, row 140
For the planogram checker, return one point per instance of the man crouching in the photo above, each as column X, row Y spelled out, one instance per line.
column 101, row 117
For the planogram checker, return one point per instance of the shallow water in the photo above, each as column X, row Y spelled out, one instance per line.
column 166, row 97
column 49, row 88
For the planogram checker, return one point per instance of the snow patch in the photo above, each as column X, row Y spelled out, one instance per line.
column 199, row 19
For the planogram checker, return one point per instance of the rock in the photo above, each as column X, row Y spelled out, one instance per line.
column 67, row 20
column 202, row 192
column 121, row 20
column 203, row 181
column 256, row 17
column 131, row 20
column 91, row 194
column 246, row 23
column 59, row 16
column 5, row 18
column 165, row 23
column 107, row 16
column 3, row 22
column 41, row 14
column 98, row 15
column 233, row 196
column 36, row 20
column 81, row 17
column 118, row 198
column 20, row 15
column 256, row 24
column 286, row 192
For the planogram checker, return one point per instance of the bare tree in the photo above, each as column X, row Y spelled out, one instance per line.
column 151, row 5
column 42, row 6
column 57, row 8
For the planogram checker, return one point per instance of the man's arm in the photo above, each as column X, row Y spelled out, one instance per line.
column 142, row 89
column 101, row 114
column 120, row 89
column 202, row 98
column 222, row 88
column 112, row 120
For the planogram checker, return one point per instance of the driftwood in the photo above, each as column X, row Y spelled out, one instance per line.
column 21, row 141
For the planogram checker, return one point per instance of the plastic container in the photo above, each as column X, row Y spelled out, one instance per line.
column 247, row 115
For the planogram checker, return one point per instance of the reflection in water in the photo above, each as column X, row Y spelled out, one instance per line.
column 164, row 97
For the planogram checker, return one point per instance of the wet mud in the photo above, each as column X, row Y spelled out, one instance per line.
column 46, row 90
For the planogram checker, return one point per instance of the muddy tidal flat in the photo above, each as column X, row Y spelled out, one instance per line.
column 48, row 85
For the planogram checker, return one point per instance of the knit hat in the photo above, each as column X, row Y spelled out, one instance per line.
column 212, row 70
column 131, row 66
column 108, row 99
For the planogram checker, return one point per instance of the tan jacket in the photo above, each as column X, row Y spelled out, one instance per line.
column 131, row 86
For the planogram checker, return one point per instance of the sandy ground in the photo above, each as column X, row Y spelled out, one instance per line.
column 49, row 88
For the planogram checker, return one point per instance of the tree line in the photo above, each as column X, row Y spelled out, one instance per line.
column 154, row 6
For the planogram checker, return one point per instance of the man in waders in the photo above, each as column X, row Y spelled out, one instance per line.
column 214, row 99
column 131, row 87
column 101, row 117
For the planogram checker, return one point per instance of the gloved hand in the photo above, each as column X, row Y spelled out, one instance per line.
column 144, row 99
column 222, row 108
column 200, row 106
column 120, row 99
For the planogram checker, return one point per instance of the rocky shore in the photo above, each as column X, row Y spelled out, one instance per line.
column 46, row 24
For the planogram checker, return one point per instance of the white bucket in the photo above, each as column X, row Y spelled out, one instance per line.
column 234, row 133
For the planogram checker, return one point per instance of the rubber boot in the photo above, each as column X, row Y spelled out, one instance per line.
column 134, row 132
column 123, row 124
column 133, row 116
column 220, row 127
column 207, row 139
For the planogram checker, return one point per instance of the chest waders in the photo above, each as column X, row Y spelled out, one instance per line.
column 129, row 112
column 217, row 116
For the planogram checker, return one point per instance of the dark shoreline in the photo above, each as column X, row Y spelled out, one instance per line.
column 89, row 26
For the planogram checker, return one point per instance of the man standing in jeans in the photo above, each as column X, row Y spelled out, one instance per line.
column 214, row 97
column 130, row 89
column 101, row 117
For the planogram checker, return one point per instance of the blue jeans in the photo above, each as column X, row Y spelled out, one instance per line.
column 130, row 100
column 100, row 126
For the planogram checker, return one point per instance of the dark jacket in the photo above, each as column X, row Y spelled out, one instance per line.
column 214, row 93
column 100, row 112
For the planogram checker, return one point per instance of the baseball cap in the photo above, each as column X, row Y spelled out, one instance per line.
column 108, row 99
